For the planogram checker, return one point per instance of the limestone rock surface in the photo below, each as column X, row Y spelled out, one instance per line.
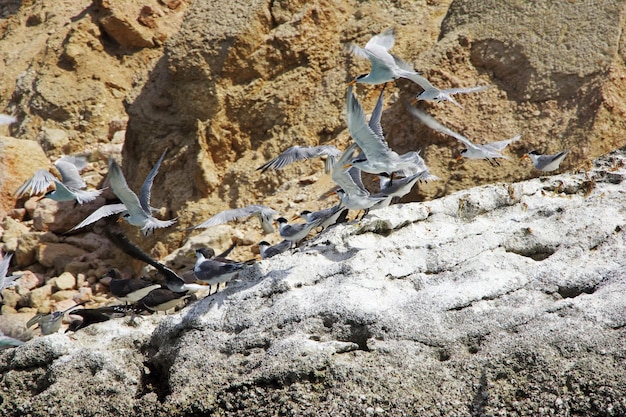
column 504, row 299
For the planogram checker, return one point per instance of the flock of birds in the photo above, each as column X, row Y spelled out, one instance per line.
column 368, row 153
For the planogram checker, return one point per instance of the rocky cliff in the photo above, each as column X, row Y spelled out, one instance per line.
column 504, row 299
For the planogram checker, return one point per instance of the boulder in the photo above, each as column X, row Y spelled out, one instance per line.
column 504, row 299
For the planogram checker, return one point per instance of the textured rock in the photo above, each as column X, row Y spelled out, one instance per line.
column 498, row 300
column 19, row 159
column 57, row 254
column 62, row 216
column 65, row 281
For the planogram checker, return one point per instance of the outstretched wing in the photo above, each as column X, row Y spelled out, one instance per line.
column 37, row 184
column 69, row 167
column 373, row 146
column 299, row 153
column 234, row 214
column 430, row 121
column 101, row 213
column 144, row 194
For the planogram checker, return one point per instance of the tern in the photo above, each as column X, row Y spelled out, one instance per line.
column 379, row 158
column 89, row 316
column 300, row 153
column 214, row 271
column 136, row 211
column 265, row 215
column 489, row 151
column 51, row 323
column 6, row 281
column 129, row 290
column 268, row 251
column 163, row 300
column 296, row 232
column 546, row 163
column 328, row 216
column 71, row 187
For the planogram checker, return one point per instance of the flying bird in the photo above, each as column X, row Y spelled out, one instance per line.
column 135, row 210
column 71, row 187
column 6, row 281
column 489, row 151
column 300, row 153
column 263, row 213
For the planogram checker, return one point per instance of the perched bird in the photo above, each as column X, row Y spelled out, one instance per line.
column 136, row 211
column 174, row 282
column 6, row 281
column 353, row 194
column 399, row 187
column 215, row 271
column 268, row 251
column 265, row 215
column 546, row 163
column 163, row 300
column 129, row 290
column 71, row 187
column 379, row 158
column 299, row 153
column 51, row 323
column 296, row 232
column 329, row 216
column 89, row 316
column 489, row 151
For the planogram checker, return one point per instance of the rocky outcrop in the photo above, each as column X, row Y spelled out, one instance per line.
column 502, row 299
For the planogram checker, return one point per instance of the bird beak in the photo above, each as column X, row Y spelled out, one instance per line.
column 414, row 101
column 346, row 166
column 458, row 158
column 294, row 218
column 352, row 83
column 525, row 156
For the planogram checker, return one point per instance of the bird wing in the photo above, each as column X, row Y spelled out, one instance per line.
column 69, row 167
column 373, row 146
column 144, row 194
column 104, row 211
column 501, row 144
column 123, row 192
column 211, row 268
column 430, row 122
column 343, row 179
column 383, row 40
column 466, row 89
column 6, row 119
column 298, row 153
column 234, row 214
column 37, row 184
column 4, row 267
column 377, row 113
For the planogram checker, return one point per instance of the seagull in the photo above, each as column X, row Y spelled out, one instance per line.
column 299, row 153
column 6, row 281
column 174, row 282
column 379, row 158
column 296, row 232
column 353, row 194
column 71, row 187
column 129, row 290
column 214, row 271
column 268, row 251
column 163, row 300
column 546, row 163
column 488, row 151
column 51, row 323
column 91, row 316
column 264, row 213
column 136, row 211
column 328, row 216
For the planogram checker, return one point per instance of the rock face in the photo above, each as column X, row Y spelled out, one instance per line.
column 504, row 299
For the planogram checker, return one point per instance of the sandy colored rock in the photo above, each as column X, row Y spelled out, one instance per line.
column 39, row 298
column 57, row 254
column 63, row 295
column 27, row 244
column 65, row 281
column 62, row 216
column 53, row 140
column 19, row 159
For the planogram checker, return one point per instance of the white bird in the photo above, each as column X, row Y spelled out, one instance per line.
column 546, row 163
column 51, row 323
column 268, row 251
column 353, row 194
column 379, row 158
column 385, row 67
column 488, row 151
column 432, row 93
column 399, row 187
column 6, row 281
column 264, row 213
column 71, row 187
column 296, row 232
column 136, row 211
column 299, row 153
column 215, row 271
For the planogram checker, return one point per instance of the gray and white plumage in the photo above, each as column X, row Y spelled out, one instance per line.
column 163, row 300
column 353, row 194
column 300, row 153
column 6, row 281
column 385, row 66
column 489, row 151
column 130, row 290
column 7, row 342
column 328, row 216
column 399, row 187
column 135, row 210
column 547, row 163
column 379, row 158
column 71, row 187
column 214, row 271
column 296, row 232
column 264, row 214
column 432, row 93
column 269, row 251
column 51, row 323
